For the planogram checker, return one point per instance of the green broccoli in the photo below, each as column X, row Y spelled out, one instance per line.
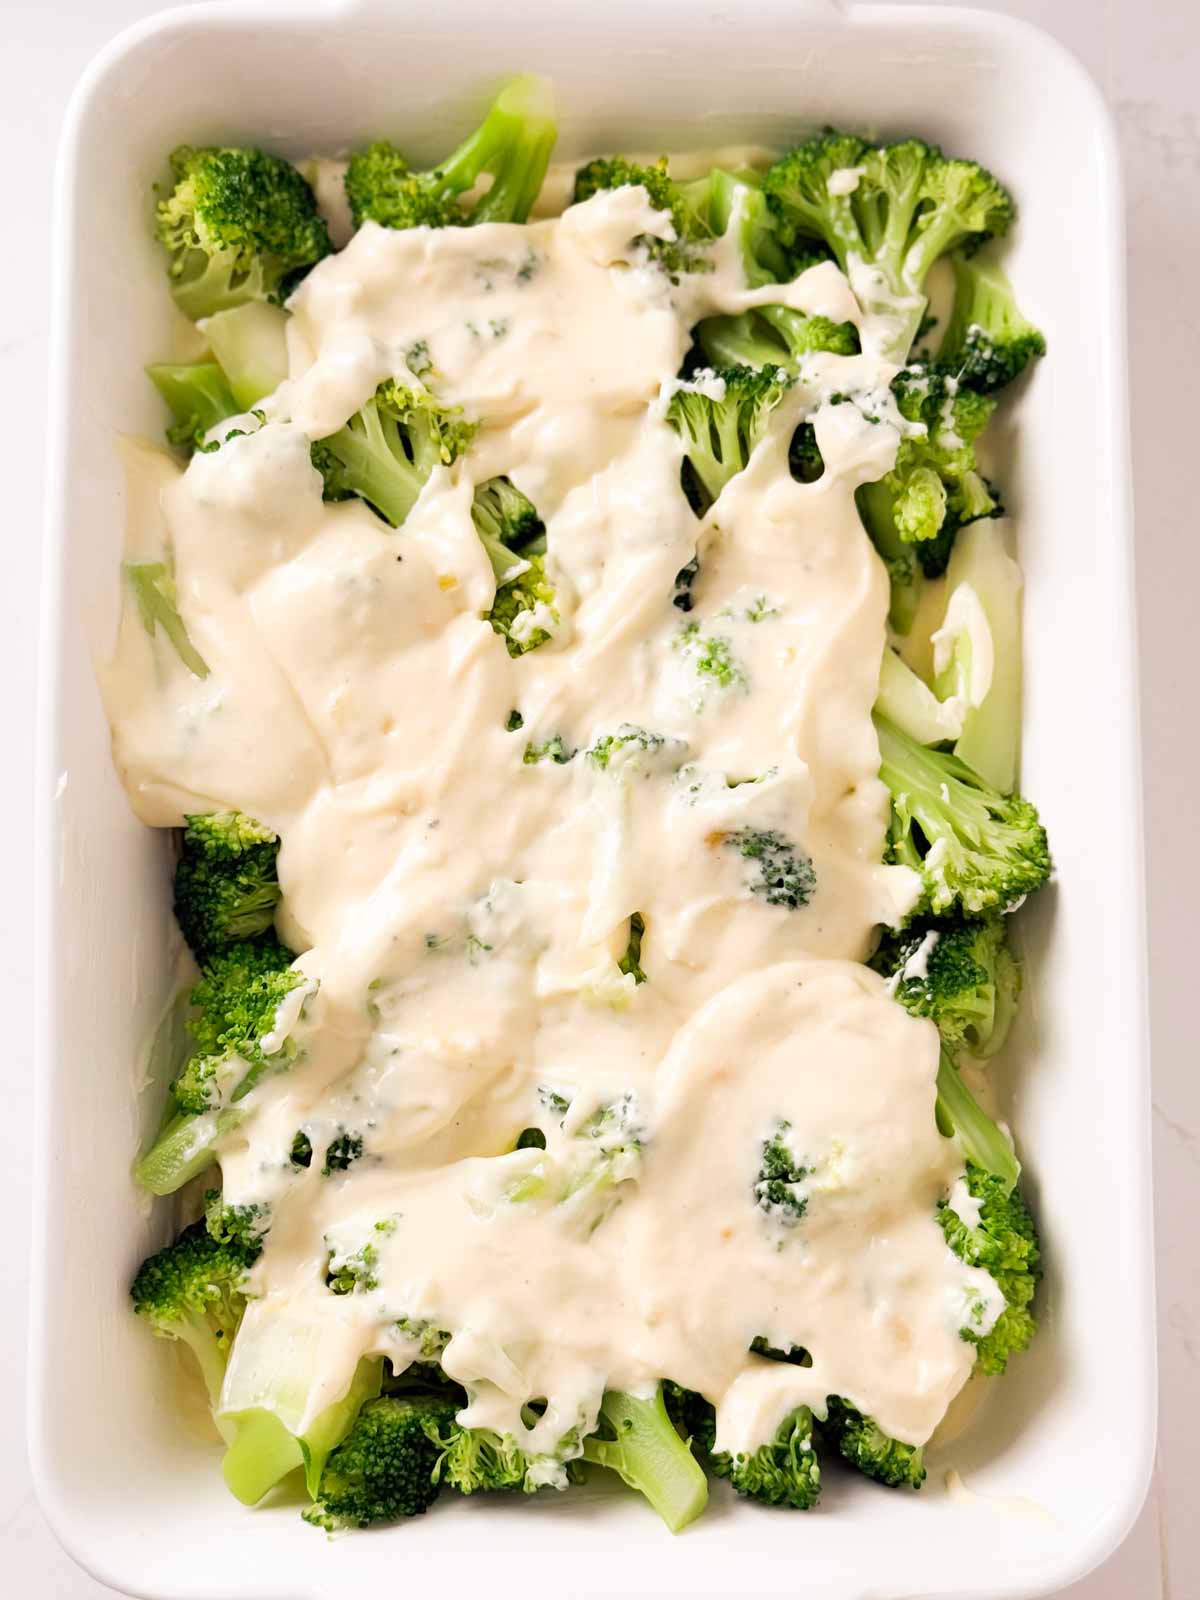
column 685, row 582
column 512, row 146
column 779, row 1175
column 194, row 1290
column 198, row 396
column 780, row 874
column 239, row 225
column 783, row 1472
column 226, row 882
column 158, row 605
column 637, row 1439
column 553, row 749
column 987, row 342
column 773, row 336
column 521, row 605
column 246, row 1224
column 388, row 449
column 975, row 850
column 965, row 978
column 805, row 460
column 711, row 657
column 631, row 962
column 689, row 205
column 302, row 1151
column 508, row 526
column 907, row 205
column 864, row 1445
column 386, row 1466
column 719, row 434
column 342, row 1152
column 628, row 743
column 1004, row 1243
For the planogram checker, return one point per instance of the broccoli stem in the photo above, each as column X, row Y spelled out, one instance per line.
column 513, row 143
column 250, row 343
column 650, row 1455
column 990, row 741
column 982, row 1140
column 184, row 1148
column 907, row 701
column 198, row 396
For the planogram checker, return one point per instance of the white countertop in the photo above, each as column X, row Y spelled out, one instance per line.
column 1146, row 56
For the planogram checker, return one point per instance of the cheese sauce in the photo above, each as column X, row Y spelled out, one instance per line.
column 463, row 911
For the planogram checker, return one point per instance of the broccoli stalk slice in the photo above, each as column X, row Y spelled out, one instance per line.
column 689, row 206
column 184, row 1148
column 982, row 1141
column 990, row 741
column 158, row 605
column 239, row 225
column 388, row 449
column 973, row 847
column 508, row 526
column 987, row 341
column 512, row 145
column 640, row 1444
column 198, row 396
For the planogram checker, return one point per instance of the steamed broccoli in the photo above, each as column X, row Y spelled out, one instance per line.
column 960, row 973
column 776, row 1188
column 783, row 1472
column 239, row 225
column 975, row 849
column 522, row 606
column 637, row 1439
column 689, row 205
column 198, row 396
column 226, row 883
column 342, row 1152
column 631, row 962
column 552, row 749
column 476, row 1461
column 158, row 605
column 1005, row 1244
column 512, row 146
column 387, row 450
column 244, row 1224
column 508, row 526
column 194, row 1290
column 780, row 874
column 710, row 656
column 385, row 1467
column 720, row 418
column 895, row 208
column 864, row 1445
column 987, row 342
column 773, row 336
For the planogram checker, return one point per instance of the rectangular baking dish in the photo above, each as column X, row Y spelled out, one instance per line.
column 1057, row 1466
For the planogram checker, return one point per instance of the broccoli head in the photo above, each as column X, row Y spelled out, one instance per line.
column 895, row 208
column 637, row 1439
column 243, row 1224
column 689, row 206
column 508, row 526
column 239, row 225
column 476, row 1461
column 226, row 884
column 960, row 973
column 195, row 1290
column 776, row 1188
column 1004, row 1243
column 512, row 146
column 987, row 342
column 385, row 1468
column 779, row 873
column 975, row 850
column 720, row 418
column 388, row 449
column 523, row 605
column 783, row 1472
column 198, row 396
column 865, row 1446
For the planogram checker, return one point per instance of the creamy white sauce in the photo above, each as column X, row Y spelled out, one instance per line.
column 463, row 914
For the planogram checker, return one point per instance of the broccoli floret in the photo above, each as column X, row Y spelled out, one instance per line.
column 908, row 205
column 773, row 336
column 689, row 205
column 194, row 1290
column 779, row 1175
column 627, row 739
column 805, row 460
column 512, row 146
column 158, row 605
column 864, row 1445
column 226, row 883
column 239, row 225
column 693, row 1416
column 711, row 656
column 987, row 342
column 356, row 1271
column 245, row 1225
column 685, row 580
column 783, row 1472
column 1004, row 1244
column 975, row 850
column 963, row 978
column 387, row 450
column 780, row 874
column 719, row 434
column 302, row 1151
column 637, row 1439
column 429, row 1339
column 553, row 749
column 342, row 1152
column 508, row 526
column 198, row 396
column 631, row 962
column 476, row 1460
column 521, row 605
column 385, row 1466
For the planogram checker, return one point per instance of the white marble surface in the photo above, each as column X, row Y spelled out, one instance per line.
column 1146, row 56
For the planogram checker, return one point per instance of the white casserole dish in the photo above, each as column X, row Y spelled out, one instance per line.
column 137, row 1499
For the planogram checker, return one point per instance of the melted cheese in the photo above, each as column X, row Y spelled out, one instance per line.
column 462, row 912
